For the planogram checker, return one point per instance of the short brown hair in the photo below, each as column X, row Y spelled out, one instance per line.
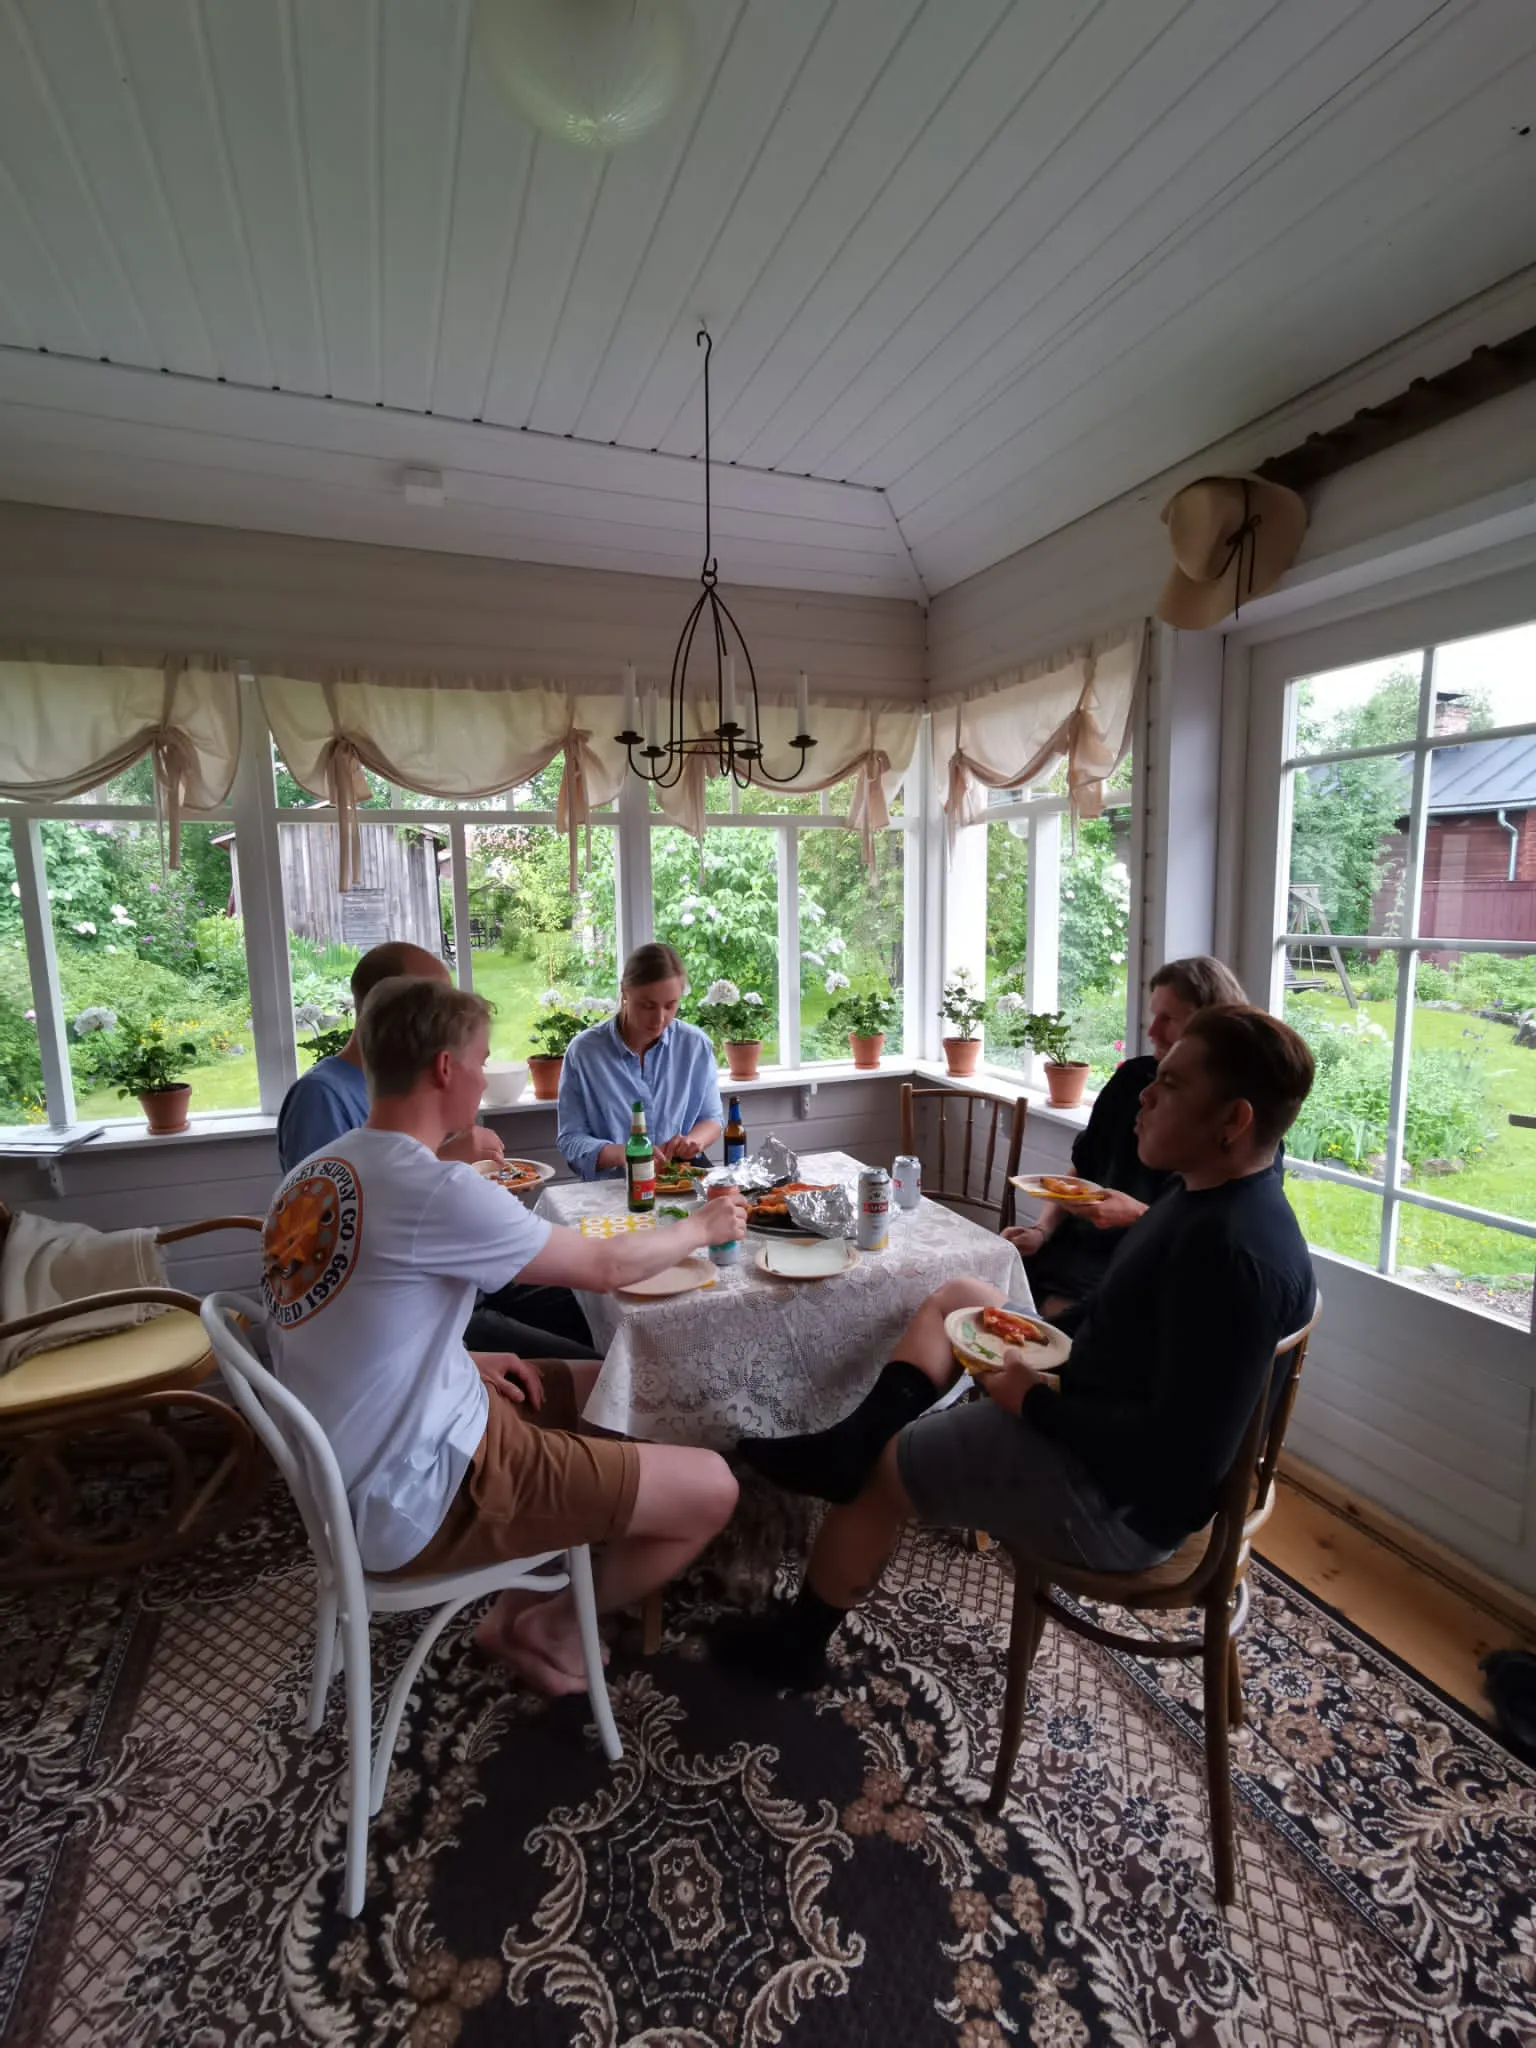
column 1200, row 981
column 1258, row 1060
column 407, row 1021
column 387, row 962
column 655, row 962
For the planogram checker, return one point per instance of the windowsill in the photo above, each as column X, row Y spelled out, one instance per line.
column 992, row 1082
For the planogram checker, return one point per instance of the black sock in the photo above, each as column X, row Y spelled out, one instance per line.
column 786, row 1646
column 834, row 1463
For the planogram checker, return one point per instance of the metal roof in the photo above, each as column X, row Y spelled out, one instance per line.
column 1487, row 775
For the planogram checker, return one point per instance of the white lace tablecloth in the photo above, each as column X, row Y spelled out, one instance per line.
column 762, row 1356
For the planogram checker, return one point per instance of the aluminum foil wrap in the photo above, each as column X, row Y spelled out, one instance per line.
column 829, row 1212
column 769, row 1167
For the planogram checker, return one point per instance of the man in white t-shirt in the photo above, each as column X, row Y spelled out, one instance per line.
column 373, row 1250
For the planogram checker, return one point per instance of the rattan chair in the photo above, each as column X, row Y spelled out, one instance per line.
column 1209, row 1572
column 956, row 1125
column 73, row 1419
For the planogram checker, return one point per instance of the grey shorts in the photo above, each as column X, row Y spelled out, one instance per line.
column 977, row 1467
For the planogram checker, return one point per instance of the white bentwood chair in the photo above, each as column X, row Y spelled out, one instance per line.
column 347, row 1598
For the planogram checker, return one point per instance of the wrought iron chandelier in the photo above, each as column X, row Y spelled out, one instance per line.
column 731, row 748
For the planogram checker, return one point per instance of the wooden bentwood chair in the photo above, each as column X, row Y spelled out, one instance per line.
column 968, row 1116
column 1209, row 1571
column 126, row 1397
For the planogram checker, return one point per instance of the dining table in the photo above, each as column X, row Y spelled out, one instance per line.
column 751, row 1354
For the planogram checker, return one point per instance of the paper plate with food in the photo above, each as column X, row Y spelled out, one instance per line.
column 676, row 1181
column 980, row 1336
column 769, row 1213
column 517, row 1176
column 1059, row 1187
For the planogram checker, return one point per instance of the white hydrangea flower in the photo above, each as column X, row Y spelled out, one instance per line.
column 753, row 997
column 86, row 928
column 121, row 914
column 95, row 1019
column 813, row 959
column 837, row 982
column 723, row 992
column 835, row 946
column 595, row 1006
column 550, row 1000
column 1010, row 1002
column 686, row 918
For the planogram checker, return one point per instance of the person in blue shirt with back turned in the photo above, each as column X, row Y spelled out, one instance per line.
column 644, row 1055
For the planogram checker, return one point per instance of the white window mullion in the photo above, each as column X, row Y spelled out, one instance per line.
column 43, row 967
column 1042, row 955
column 632, row 879
column 253, row 807
column 1407, row 969
column 789, row 946
column 463, row 952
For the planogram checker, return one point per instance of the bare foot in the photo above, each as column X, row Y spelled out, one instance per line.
column 549, row 1634
column 553, row 1680
column 493, row 1633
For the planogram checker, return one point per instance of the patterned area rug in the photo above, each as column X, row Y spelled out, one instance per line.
column 758, row 1868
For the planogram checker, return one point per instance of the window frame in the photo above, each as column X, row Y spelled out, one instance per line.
column 1277, row 669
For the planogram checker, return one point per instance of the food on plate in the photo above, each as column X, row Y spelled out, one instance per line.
column 1009, row 1328
column 673, row 1178
column 1066, row 1187
column 776, row 1201
column 516, row 1174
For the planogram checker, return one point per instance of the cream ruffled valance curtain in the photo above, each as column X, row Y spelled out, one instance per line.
column 66, row 728
column 453, row 739
column 874, row 744
column 1005, row 734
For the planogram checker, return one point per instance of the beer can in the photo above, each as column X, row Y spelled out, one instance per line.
column 729, row 1253
column 874, row 1209
column 907, row 1181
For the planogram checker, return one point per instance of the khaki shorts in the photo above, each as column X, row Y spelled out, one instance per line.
column 533, row 1484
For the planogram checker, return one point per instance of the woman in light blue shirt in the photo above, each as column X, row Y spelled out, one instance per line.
column 645, row 1055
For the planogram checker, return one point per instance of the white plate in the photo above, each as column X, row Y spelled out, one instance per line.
column 1034, row 1184
column 493, row 1169
column 680, row 1279
column 979, row 1352
column 817, row 1258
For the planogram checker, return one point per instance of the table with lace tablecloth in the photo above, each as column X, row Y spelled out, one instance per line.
column 762, row 1356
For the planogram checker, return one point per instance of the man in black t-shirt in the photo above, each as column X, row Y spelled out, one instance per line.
column 1113, row 1470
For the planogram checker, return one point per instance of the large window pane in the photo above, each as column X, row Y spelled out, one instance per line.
column 1480, row 843
column 720, row 908
column 1493, row 675
column 1336, row 1218
column 1345, row 1119
column 21, row 1066
column 1349, row 838
column 141, row 943
column 1367, row 705
column 850, row 925
column 1008, row 927
column 1478, row 1265
column 527, row 932
column 1095, row 938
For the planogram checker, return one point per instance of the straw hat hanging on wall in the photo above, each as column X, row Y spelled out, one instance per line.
column 1233, row 538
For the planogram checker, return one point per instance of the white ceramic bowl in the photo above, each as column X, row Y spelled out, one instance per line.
column 505, row 1081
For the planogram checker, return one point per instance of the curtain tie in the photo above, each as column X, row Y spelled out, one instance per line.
column 341, row 764
column 869, row 812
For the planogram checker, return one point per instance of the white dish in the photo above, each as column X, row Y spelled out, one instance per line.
column 679, row 1279
column 817, row 1258
column 1084, row 1190
column 505, row 1081
column 980, row 1352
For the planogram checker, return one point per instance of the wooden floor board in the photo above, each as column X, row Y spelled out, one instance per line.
column 1427, row 1623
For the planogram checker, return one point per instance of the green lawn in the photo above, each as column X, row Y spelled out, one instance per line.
column 1502, row 1177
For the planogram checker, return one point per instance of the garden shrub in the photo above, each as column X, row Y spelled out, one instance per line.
column 1488, row 981
column 21, row 1066
column 1432, row 984
column 1344, row 1119
column 219, row 944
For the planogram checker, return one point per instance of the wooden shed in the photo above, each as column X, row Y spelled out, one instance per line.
column 397, row 896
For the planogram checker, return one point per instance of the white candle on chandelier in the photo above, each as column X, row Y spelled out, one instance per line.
column 728, row 692
column 631, row 702
column 803, row 705
column 652, row 720
column 749, row 717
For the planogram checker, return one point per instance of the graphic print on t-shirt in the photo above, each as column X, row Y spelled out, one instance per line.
column 309, row 1247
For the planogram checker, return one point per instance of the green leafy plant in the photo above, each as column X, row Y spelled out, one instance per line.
column 864, row 1007
column 734, row 1016
column 142, row 1060
column 555, row 1024
column 963, row 1006
column 1049, row 1033
column 324, row 1045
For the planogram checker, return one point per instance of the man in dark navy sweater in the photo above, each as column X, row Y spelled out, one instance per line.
column 1116, row 1468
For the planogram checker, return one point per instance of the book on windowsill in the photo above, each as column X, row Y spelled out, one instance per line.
column 45, row 1141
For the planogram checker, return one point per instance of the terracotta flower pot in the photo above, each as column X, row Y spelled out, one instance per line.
column 962, row 1055
column 1064, row 1084
column 866, row 1051
column 544, row 1071
column 742, row 1058
column 165, row 1109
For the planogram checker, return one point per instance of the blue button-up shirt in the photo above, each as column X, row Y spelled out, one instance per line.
column 601, row 1081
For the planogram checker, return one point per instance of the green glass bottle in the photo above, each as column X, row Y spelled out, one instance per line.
column 640, row 1165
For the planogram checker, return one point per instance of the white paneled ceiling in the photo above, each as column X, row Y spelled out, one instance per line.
column 972, row 267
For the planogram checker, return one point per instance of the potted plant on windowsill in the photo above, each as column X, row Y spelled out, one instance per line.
column 865, row 1010
column 553, row 1028
column 1048, row 1033
column 963, row 1008
column 735, row 1018
column 142, row 1061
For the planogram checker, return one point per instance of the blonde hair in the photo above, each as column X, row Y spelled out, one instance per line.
column 406, row 1021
